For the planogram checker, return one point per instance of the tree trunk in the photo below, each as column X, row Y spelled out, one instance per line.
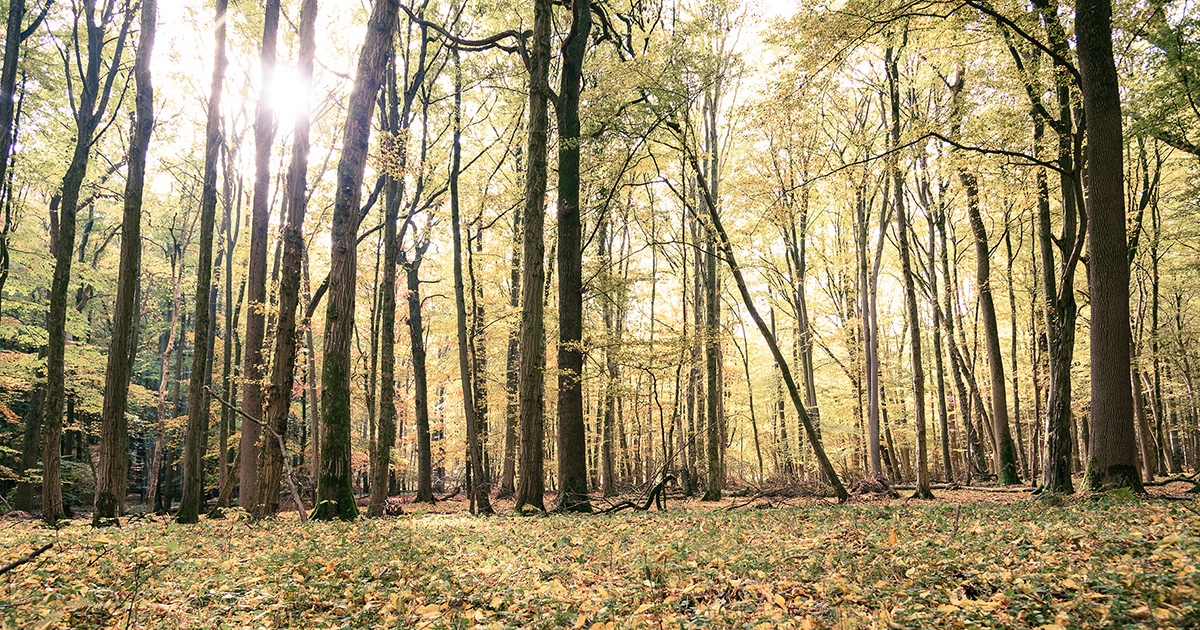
column 91, row 109
column 256, row 282
column 1006, row 456
column 1112, row 455
column 533, row 281
column 420, row 380
column 193, row 459
column 113, row 465
column 335, row 496
column 572, row 439
column 478, row 487
column 283, row 367
column 507, row 486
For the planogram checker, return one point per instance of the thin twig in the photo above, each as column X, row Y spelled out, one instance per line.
column 16, row 563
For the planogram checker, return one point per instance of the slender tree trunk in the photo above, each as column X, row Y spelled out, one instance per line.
column 113, row 466
column 1006, row 459
column 256, row 283
column 95, row 87
column 335, row 496
column 533, row 281
column 478, row 487
column 283, row 367
column 507, row 487
column 193, row 459
column 420, row 380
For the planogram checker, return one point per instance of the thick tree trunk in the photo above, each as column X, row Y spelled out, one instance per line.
column 533, row 281
column 572, row 438
column 113, row 465
column 283, row 367
column 1112, row 455
column 193, row 458
column 335, row 496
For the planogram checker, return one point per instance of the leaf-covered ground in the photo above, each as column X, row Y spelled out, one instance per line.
column 950, row 563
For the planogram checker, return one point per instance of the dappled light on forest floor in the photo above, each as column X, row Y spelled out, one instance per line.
column 1020, row 562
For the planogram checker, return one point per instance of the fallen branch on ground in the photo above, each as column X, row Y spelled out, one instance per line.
column 287, row 463
column 35, row 553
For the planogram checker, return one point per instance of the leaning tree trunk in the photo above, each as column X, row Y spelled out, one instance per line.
column 193, row 457
column 1112, row 453
column 335, row 495
column 533, row 343
column 114, row 425
column 283, row 368
column 256, row 283
column 721, row 240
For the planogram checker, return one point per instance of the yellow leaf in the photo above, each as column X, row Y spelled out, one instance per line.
column 780, row 601
column 892, row 540
column 643, row 608
column 947, row 608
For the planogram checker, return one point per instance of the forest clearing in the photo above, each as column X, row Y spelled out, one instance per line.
column 965, row 560
column 600, row 313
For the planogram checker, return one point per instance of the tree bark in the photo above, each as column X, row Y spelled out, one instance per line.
column 1112, row 454
column 533, row 343
column 283, row 367
column 572, row 436
column 193, row 458
column 335, row 496
column 90, row 107
column 256, row 282
column 113, row 465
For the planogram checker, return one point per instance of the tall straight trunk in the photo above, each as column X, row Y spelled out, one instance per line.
column 478, row 353
column 256, row 282
column 1006, row 456
column 113, row 466
column 608, row 381
column 910, row 291
column 193, row 457
column 156, row 459
column 507, row 487
column 1112, row 453
column 533, row 343
column 744, row 349
column 1159, row 415
column 1022, row 458
column 283, row 367
column 572, row 435
column 866, row 283
column 416, row 335
column 90, row 107
column 335, row 496
column 478, row 486
column 938, row 358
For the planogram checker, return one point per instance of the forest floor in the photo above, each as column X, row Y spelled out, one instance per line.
column 965, row 559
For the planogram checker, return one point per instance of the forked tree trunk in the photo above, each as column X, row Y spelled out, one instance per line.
column 256, row 282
